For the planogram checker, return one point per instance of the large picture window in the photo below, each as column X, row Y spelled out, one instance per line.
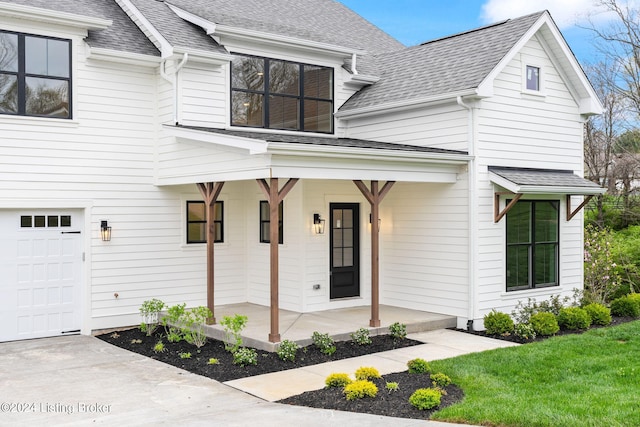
column 532, row 245
column 265, row 222
column 197, row 222
column 35, row 75
column 275, row 94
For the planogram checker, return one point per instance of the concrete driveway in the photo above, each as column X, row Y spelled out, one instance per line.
column 80, row 380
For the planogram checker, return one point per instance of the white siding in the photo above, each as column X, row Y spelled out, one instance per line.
column 203, row 95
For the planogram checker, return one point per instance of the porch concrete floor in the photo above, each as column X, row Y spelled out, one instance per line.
column 338, row 323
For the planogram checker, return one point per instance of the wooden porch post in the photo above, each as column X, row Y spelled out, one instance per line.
column 274, row 197
column 210, row 192
column 374, row 197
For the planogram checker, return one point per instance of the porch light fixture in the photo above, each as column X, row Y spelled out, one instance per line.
column 105, row 231
column 318, row 224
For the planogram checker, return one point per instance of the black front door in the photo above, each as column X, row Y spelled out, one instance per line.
column 345, row 250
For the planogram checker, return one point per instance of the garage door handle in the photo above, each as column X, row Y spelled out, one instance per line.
column 70, row 232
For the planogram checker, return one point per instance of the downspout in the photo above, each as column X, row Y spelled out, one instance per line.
column 173, row 81
column 354, row 70
column 473, row 203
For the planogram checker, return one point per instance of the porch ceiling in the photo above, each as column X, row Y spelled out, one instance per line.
column 192, row 155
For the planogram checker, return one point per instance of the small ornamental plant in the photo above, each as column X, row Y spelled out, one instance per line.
column 185, row 355
column 418, row 366
column 324, row 343
column 440, row 380
column 524, row 331
column 171, row 322
column 574, row 318
column 599, row 314
column 498, row 323
column 360, row 389
column 213, row 361
column 245, row 356
column 159, row 347
column 233, row 326
column 337, row 380
column 367, row 373
column 150, row 312
column 193, row 325
column 398, row 331
column 287, row 351
column 425, row 398
column 392, row 386
column 544, row 324
column 361, row 337
column 625, row 307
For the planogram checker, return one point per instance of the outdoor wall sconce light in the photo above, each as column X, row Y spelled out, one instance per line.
column 318, row 224
column 105, row 231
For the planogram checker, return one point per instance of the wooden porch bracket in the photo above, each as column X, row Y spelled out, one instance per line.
column 497, row 214
column 375, row 197
column 210, row 192
column 274, row 197
column 570, row 213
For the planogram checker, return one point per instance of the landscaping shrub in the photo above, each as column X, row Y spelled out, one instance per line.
column 366, row 373
column 573, row 318
column 525, row 331
column 392, row 386
column 360, row 389
column 361, row 337
column 245, row 356
column 625, row 306
column 425, row 398
column 150, row 312
column 398, row 331
column 287, row 350
column 233, row 326
column 337, row 380
column 324, row 343
column 418, row 366
column 171, row 322
column 544, row 324
column 523, row 312
column 498, row 323
column 601, row 277
column 440, row 380
column 599, row 314
column 193, row 325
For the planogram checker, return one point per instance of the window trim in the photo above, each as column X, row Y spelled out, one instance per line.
column 265, row 93
column 22, row 75
column 531, row 285
column 219, row 208
column 526, row 64
column 263, row 221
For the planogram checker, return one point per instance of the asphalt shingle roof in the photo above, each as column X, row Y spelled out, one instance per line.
column 441, row 66
column 326, row 141
column 542, row 177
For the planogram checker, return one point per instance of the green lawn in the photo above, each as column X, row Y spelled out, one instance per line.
column 592, row 379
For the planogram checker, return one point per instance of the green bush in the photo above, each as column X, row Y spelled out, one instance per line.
column 418, row 366
column 425, row 398
column 337, row 380
column 625, row 306
column 171, row 322
column 544, row 324
column 599, row 314
column 366, row 373
column 392, row 386
column 193, row 325
column 574, row 318
column 150, row 312
column 361, row 337
column 324, row 343
column 287, row 351
column 498, row 323
column 398, row 331
column 245, row 356
column 233, row 326
column 440, row 380
column 525, row 331
column 360, row 389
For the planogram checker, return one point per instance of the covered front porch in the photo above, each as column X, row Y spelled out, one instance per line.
column 338, row 323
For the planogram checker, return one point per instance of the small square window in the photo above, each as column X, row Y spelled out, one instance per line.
column 39, row 221
column 26, row 221
column 197, row 222
column 533, row 78
column 65, row 221
column 52, row 221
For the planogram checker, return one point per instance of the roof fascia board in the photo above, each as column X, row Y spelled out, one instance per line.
column 165, row 48
column 285, row 41
column 254, row 146
column 202, row 56
column 110, row 55
column 403, row 105
column 208, row 26
column 54, row 17
column 542, row 189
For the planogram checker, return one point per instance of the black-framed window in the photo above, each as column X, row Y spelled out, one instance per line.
column 533, row 78
column 533, row 244
column 35, row 75
column 265, row 222
column 275, row 94
column 197, row 222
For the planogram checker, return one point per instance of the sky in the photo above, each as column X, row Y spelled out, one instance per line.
column 416, row 21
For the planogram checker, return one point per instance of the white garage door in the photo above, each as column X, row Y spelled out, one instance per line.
column 40, row 273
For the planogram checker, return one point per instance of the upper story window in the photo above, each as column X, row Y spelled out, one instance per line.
column 532, row 78
column 274, row 94
column 35, row 75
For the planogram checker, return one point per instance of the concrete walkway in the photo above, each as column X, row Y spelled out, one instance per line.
column 81, row 380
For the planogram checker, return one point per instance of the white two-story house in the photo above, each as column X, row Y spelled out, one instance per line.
column 326, row 164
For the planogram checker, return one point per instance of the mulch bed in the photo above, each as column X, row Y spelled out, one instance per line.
column 226, row 370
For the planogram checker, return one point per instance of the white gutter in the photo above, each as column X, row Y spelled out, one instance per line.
column 138, row 59
column 473, row 212
column 173, row 81
column 52, row 16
